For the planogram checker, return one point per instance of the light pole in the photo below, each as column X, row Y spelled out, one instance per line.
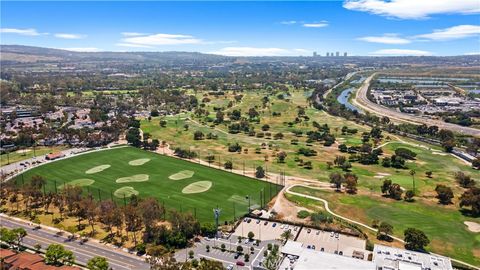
column 216, row 214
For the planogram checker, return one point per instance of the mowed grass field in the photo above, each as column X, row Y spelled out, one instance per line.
column 179, row 184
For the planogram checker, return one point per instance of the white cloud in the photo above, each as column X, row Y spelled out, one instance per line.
column 413, row 9
column 385, row 39
column 400, row 52
column 133, row 34
column 69, row 36
column 472, row 53
column 85, row 49
column 316, row 25
column 23, row 32
column 132, row 45
column 455, row 32
column 288, row 22
column 254, row 51
column 160, row 39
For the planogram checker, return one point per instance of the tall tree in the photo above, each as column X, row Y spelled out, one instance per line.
column 415, row 239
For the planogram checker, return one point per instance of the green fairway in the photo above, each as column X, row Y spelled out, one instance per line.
column 444, row 226
column 195, row 188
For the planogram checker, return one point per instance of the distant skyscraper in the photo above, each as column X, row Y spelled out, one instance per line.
column 314, row 54
column 337, row 54
column 345, row 54
column 328, row 54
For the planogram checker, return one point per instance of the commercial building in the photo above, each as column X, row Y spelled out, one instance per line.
column 390, row 258
column 298, row 257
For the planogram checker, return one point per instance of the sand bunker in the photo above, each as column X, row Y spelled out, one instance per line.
column 138, row 162
column 439, row 153
column 181, row 175
column 381, row 175
column 23, row 151
column 125, row 192
column 98, row 169
column 133, row 178
column 79, row 183
column 238, row 199
column 197, row 187
column 472, row 226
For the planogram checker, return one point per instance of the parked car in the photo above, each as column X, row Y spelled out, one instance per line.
column 318, row 232
column 332, row 234
column 249, row 220
column 240, row 263
column 313, row 246
column 230, row 267
column 309, row 230
column 337, row 235
column 258, row 221
column 265, row 223
column 274, row 225
column 309, row 247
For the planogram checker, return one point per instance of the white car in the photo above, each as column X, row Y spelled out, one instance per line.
column 247, row 241
column 286, row 227
column 230, row 267
column 281, row 226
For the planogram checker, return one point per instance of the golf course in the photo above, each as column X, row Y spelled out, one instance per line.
column 186, row 186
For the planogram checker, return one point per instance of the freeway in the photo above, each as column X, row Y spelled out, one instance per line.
column 117, row 259
column 363, row 102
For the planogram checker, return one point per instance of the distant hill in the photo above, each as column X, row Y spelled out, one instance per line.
column 28, row 54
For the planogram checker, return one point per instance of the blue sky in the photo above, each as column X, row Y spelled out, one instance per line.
column 359, row 27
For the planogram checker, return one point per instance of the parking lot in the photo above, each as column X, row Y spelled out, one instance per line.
column 331, row 242
column 263, row 230
column 229, row 257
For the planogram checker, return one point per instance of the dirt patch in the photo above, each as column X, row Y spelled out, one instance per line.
column 197, row 187
column 133, row 178
column 472, row 226
column 125, row 192
column 138, row 162
column 181, row 175
column 23, row 151
column 78, row 183
column 439, row 153
column 98, row 169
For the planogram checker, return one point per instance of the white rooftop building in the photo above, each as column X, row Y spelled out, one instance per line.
column 301, row 258
column 390, row 258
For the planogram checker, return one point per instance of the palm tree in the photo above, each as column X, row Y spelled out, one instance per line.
column 412, row 173
column 286, row 235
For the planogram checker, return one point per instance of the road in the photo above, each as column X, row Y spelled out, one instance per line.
column 117, row 259
column 363, row 102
